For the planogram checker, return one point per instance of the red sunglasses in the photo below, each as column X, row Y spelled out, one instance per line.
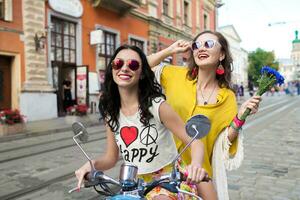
column 131, row 63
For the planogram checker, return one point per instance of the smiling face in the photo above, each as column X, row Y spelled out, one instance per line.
column 127, row 77
column 208, row 53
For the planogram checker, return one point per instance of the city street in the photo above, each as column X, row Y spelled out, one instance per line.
column 42, row 167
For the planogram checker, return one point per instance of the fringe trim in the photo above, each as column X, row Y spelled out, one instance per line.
column 158, row 71
column 222, row 161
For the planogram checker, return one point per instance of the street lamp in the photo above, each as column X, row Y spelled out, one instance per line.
column 218, row 5
column 39, row 41
column 276, row 23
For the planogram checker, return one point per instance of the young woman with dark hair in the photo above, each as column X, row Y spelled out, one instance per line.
column 204, row 87
column 139, row 123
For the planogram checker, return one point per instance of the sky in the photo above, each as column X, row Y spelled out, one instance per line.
column 251, row 19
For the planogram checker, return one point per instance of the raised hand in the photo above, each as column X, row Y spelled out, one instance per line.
column 180, row 46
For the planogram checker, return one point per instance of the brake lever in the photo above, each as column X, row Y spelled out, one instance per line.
column 75, row 189
column 86, row 184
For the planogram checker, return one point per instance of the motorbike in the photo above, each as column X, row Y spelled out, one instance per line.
column 129, row 187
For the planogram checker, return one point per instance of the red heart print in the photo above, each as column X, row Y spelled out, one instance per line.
column 129, row 134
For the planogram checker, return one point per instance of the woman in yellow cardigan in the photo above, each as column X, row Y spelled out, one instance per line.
column 204, row 87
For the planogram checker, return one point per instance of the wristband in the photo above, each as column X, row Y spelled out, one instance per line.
column 239, row 123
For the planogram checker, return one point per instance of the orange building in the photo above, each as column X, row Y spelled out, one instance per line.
column 81, row 39
column 11, row 53
column 55, row 55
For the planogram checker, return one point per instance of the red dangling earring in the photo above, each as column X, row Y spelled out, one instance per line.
column 220, row 70
column 194, row 72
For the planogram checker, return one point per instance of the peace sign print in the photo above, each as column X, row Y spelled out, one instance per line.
column 149, row 135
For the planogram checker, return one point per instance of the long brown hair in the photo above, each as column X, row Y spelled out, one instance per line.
column 224, row 80
column 110, row 100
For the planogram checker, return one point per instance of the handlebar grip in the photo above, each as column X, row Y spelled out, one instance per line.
column 88, row 176
column 92, row 178
column 205, row 179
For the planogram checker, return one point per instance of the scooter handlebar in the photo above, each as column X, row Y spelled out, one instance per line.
column 96, row 177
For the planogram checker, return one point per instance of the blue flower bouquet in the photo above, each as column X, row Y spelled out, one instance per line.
column 269, row 77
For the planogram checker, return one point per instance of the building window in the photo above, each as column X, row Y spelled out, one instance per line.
column 186, row 12
column 205, row 21
column 137, row 43
column 6, row 10
column 166, row 7
column 63, row 41
column 1, row 9
column 107, row 48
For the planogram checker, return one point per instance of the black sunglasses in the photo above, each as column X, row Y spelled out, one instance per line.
column 131, row 63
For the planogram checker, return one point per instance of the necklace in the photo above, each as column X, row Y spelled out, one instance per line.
column 206, row 101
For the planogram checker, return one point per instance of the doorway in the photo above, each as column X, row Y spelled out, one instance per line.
column 5, row 82
column 71, row 83
column 67, row 90
column 63, row 57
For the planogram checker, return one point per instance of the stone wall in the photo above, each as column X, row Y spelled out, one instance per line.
column 36, row 73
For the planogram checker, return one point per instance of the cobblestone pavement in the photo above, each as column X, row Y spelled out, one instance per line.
column 42, row 167
column 271, row 166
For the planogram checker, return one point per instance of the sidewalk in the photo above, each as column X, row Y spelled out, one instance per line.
column 54, row 125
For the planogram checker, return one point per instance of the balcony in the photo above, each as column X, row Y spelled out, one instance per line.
column 167, row 19
column 121, row 6
column 187, row 29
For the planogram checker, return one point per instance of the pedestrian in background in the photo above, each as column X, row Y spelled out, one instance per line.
column 298, row 87
column 241, row 90
column 204, row 87
column 250, row 88
column 67, row 99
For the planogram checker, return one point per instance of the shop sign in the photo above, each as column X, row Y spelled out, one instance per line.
column 81, row 77
column 96, row 37
column 68, row 7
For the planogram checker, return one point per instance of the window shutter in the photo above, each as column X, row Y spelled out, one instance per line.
column 8, row 10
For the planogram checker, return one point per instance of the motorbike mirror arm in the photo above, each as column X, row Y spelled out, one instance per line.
column 173, row 173
column 85, row 154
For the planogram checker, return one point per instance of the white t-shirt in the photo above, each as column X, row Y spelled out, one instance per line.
column 149, row 147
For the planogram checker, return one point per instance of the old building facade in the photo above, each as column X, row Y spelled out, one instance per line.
column 290, row 68
column 295, row 56
column 239, row 55
column 45, row 43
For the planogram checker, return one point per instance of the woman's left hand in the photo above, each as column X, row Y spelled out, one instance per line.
column 195, row 173
column 252, row 104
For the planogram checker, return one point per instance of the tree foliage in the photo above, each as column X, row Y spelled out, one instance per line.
column 257, row 59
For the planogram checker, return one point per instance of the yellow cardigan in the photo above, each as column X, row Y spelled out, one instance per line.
column 181, row 95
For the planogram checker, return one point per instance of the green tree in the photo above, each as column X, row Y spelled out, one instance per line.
column 257, row 59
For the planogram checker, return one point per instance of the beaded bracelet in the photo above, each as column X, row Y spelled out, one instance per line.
column 232, row 125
